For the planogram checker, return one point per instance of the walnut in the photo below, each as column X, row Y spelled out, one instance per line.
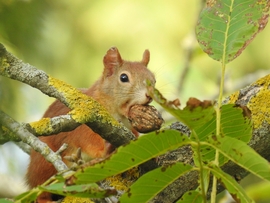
column 145, row 118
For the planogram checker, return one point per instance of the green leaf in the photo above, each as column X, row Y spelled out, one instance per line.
column 195, row 114
column 87, row 190
column 241, row 154
column 233, row 124
column 230, row 184
column 194, row 117
column 155, row 181
column 29, row 196
column 191, row 197
column 226, row 27
column 204, row 180
column 137, row 152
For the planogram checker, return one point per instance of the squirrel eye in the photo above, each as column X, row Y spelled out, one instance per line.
column 124, row 77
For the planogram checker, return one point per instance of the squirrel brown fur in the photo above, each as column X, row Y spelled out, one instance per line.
column 122, row 85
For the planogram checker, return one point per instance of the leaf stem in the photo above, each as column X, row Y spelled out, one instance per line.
column 218, row 128
column 197, row 146
column 219, row 103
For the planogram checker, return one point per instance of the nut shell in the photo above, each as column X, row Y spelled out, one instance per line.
column 145, row 119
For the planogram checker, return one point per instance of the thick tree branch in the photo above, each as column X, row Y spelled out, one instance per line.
column 92, row 113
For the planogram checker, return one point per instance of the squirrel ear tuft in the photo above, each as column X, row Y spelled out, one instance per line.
column 111, row 60
column 146, row 57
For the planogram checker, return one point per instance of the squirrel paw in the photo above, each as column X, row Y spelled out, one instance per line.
column 76, row 159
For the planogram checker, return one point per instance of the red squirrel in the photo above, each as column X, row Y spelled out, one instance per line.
column 122, row 85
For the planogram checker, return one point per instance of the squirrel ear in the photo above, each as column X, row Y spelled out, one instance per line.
column 111, row 60
column 146, row 57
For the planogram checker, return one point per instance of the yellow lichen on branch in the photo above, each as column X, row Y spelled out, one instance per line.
column 71, row 94
column 3, row 65
column 70, row 199
column 42, row 126
column 234, row 97
column 123, row 181
column 83, row 108
column 259, row 104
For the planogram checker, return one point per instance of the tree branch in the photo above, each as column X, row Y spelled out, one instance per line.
column 15, row 128
column 92, row 114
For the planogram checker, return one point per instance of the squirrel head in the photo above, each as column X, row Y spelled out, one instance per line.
column 123, row 83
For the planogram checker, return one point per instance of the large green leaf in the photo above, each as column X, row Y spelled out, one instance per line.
column 230, row 184
column 243, row 155
column 155, row 181
column 145, row 148
column 226, row 27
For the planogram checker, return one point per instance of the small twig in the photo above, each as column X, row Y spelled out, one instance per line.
column 33, row 141
column 51, row 126
column 61, row 149
column 23, row 146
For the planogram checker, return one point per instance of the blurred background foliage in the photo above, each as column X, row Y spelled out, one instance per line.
column 68, row 39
